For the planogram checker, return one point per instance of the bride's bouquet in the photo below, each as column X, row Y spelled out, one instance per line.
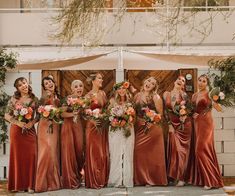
column 51, row 113
column 122, row 116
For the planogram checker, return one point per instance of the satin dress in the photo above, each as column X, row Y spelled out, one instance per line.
column 23, row 153
column 72, row 159
column 149, row 151
column 207, row 172
column 97, row 153
column 179, row 144
column 48, row 167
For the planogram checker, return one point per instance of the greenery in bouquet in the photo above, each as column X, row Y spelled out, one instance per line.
column 51, row 113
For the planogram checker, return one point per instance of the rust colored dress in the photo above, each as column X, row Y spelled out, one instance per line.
column 97, row 157
column 23, row 154
column 48, row 168
column 179, row 144
column 71, row 152
column 149, row 152
column 207, row 172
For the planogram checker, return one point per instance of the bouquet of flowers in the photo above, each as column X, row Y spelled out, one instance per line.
column 150, row 116
column 122, row 117
column 183, row 110
column 51, row 113
column 76, row 104
column 22, row 112
column 218, row 98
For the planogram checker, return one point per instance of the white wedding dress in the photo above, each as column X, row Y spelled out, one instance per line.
column 121, row 151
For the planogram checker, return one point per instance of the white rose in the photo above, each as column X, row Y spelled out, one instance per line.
column 96, row 113
column 111, row 118
column 23, row 111
column 221, row 95
column 48, row 108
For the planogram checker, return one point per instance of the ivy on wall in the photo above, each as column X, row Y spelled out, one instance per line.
column 226, row 80
column 8, row 60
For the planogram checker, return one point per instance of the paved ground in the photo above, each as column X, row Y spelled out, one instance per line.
column 136, row 191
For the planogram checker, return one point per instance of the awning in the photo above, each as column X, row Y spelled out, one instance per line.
column 57, row 64
column 190, row 59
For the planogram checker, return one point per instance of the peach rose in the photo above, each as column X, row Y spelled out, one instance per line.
column 45, row 114
column 30, row 110
column 157, row 118
column 150, row 114
column 28, row 116
column 130, row 111
column 182, row 112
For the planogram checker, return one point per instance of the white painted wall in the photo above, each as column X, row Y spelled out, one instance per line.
column 35, row 29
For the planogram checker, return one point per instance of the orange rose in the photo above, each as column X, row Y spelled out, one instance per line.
column 30, row 110
column 215, row 97
column 45, row 114
column 183, row 112
column 28, row 116
column 130, row 111
column 126, row 85
column 157, row 118
column 80, row 102
column 150, row 114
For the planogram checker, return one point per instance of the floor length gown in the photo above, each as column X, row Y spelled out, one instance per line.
column 207, row 172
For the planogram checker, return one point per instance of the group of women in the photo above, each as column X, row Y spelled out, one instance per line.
column 55, row 156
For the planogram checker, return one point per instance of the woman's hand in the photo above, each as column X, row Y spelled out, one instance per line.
column 149, row 125
column 142, row 122
column 29, row 125
column 20, row 124
column 171, row 129
column 96, row 122
column 195, row 115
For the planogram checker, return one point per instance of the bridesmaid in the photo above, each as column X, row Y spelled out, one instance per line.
column 121, row 144
column 207, row 172
column 149, row 152
column 23, row 143
column 72, row 142
column 179, row 139
column 48, row 169
column 96, row 159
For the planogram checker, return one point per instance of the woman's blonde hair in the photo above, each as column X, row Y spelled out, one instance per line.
column 76, row 82
column 154, row 90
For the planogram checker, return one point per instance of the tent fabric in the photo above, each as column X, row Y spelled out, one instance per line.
column 192, row 59
column 58, row 64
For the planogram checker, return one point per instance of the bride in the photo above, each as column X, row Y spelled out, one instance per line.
column 121, row 137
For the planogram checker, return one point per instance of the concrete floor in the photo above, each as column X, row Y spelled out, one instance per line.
column 136, row 191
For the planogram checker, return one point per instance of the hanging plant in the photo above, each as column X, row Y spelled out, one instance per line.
column 225, row 81
column 7, row 61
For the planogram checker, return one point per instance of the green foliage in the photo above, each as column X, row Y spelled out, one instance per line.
column 7, row 61
column 226, row 80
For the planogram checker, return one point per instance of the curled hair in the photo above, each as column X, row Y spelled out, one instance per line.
column 154, row 90
column 181, row 76
column 17, row 93
column 50, row 78
column 92, row 77
column 207, row 78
